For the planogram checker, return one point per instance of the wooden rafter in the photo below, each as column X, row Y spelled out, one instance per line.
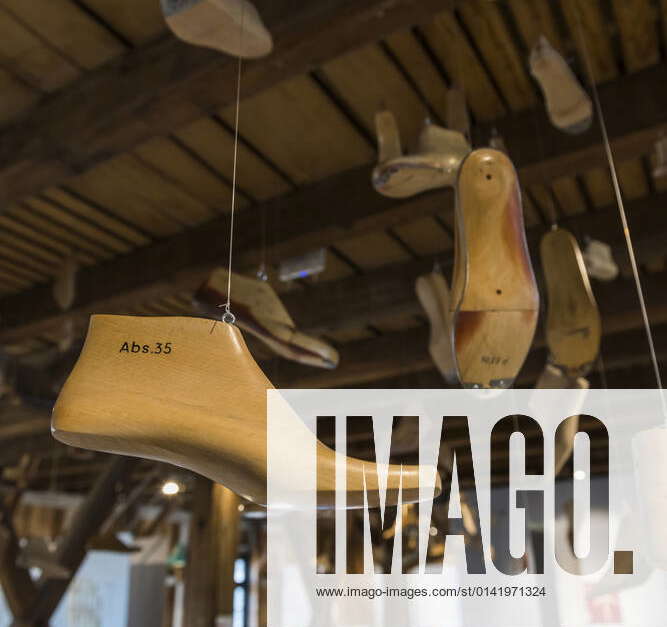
column 157, row 88
column 398, row 356
column 182, row 262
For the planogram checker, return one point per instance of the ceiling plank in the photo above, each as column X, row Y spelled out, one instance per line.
column 637, row 23
column 167, row 84
column 487, row 25
column 368, row 81
column 453, row 50
column 585, row 19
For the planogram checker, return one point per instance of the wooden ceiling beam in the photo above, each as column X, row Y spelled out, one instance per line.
column 167, row 84
column 346, row 205
column 320, row 215
column 150, row 91
column 399, row 355
column 389, row 292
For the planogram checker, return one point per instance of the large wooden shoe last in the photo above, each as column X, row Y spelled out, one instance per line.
column 573, row 327
column 186, row 391
column 494, row 294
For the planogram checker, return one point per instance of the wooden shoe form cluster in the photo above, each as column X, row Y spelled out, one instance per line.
column 186, row 390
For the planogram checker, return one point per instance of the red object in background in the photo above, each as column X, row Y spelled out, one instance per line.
column 604, row 609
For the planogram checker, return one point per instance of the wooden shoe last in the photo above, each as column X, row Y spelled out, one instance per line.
column 573, row 327
column 186, row 391
column 217, row 24
column 568, row 105
column 433, row 293
column 494, row 294
column 434, row 165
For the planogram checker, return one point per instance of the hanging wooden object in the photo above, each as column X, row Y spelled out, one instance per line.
column 434, row 165
column 64, row 286
column 660, row 157
column 64, row 293
column 186, row 391
column 260, row 312
column 569, row 107
column 494, row 296
column 553, row 378
column 218, row 24
column 599, row 261
column 433, row 293
column 573, row 327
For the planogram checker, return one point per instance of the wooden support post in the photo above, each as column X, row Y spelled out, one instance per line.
column 70, row 554
column 209, row 583
column 257, row 605
column 199, row 582
column 18, row 587
column 226, row 539
column 170, row 592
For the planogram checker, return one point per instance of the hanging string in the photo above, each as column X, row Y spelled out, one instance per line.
column 228, row 316
column 621, row 210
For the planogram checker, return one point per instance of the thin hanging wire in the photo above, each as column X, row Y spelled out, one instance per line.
column 621, row 210
column 228, row 316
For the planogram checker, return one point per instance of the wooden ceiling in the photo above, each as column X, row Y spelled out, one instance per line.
column 116, row 144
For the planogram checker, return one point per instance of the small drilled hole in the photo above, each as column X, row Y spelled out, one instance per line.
column 488, row 177
column 499, row 292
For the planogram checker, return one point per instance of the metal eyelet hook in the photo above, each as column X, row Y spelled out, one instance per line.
column 228, row 316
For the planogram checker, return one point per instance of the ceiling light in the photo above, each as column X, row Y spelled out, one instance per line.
column 170, row 488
